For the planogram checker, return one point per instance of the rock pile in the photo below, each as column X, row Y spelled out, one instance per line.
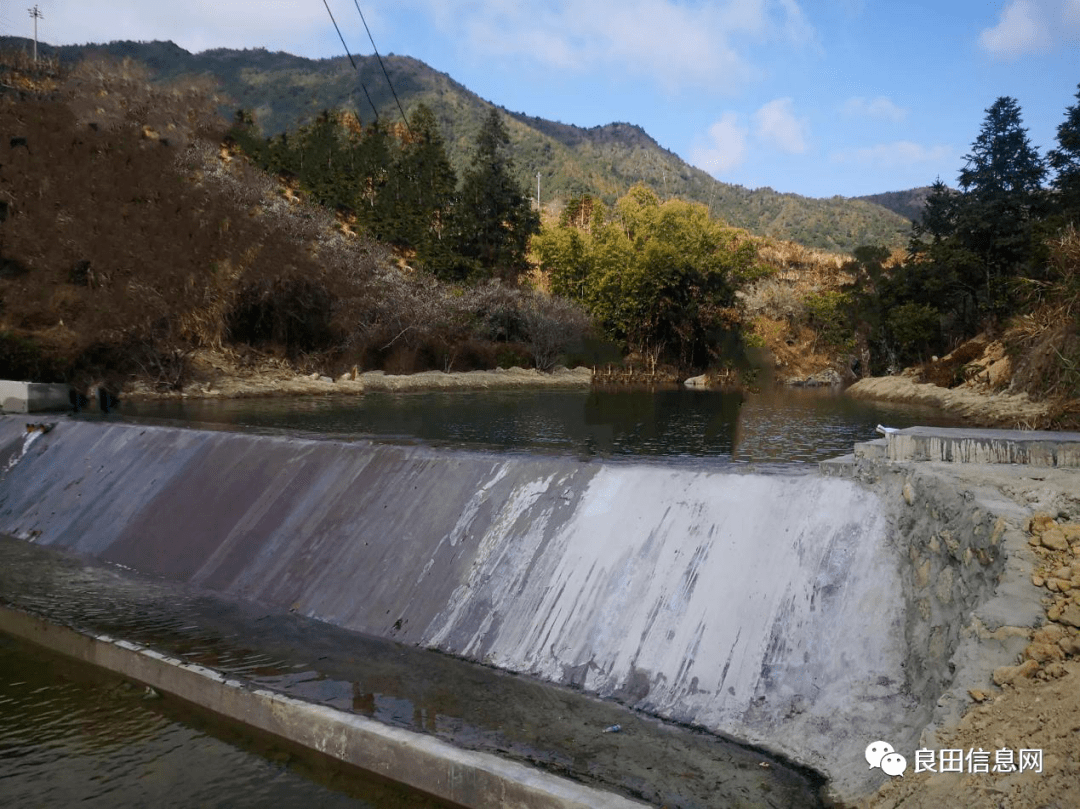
column 1057, row 547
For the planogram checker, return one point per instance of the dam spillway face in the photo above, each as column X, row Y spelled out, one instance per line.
column 767, row 607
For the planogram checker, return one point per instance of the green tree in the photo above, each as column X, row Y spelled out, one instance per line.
column 370, row 159
column 658, row 276
column 494, row 217
column 1003, row 195
column 1065, row 160
column 422, row 185
column 323, row 166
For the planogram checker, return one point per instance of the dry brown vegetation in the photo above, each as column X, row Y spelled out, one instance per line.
column 776, row 307
column 1037, row 353
column 1045, row 343
column 129, row 239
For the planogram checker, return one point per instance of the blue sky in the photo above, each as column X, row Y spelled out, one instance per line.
column 816, row 97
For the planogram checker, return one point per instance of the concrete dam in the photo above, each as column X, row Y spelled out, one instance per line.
column 800, row 613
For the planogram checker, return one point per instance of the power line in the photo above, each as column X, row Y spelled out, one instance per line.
column 369, row 101
column 390, row 83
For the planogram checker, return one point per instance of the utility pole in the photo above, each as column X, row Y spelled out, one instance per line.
column 36, row 15
column 538, row 191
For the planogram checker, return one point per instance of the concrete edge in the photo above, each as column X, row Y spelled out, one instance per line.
column 33, row 397
column 466, row 778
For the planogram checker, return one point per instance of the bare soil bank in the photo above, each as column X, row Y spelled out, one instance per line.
column 222, row 375
column 1034, row 704
column 981, row 407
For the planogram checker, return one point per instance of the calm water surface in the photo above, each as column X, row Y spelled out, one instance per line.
column 72, row 736
column 778, row 425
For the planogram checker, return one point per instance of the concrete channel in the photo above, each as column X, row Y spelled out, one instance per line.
column 806, row 615
column 461, row 777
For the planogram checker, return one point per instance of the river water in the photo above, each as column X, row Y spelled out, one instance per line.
column 74, row 736
column 774, row 426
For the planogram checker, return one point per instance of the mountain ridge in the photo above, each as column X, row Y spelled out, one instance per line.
column 284, row 91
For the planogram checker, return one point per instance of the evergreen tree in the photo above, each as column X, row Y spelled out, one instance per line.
column 423, row 184
column 370, row 159
column 1003, row 196
column 324, row 164
column 494, row 216
column 1065, row 161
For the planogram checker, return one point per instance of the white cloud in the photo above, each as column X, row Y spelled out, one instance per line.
column 675, row 43
column 897, row 153
column 678, row 44
column 775, row 123
column 301, row 28
column 724, row 148
column 881, row 108
column 1031, row 26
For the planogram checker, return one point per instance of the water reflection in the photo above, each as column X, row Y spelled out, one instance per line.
column 775, row 425
column 70, row 735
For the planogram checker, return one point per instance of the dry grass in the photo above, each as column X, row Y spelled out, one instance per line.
column 804, row 265
column 1045, row 342
column 132, row 240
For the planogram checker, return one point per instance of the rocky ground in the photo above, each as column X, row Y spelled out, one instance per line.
column 978, row 381
column 1033, row 705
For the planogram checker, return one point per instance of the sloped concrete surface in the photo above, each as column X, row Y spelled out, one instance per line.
column 778, row 609
column 472, row 707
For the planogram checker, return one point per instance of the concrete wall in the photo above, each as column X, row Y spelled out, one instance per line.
column 959, row 445
column 772, row 608
column 32, row 397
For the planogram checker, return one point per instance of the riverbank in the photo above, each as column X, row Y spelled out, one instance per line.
column 1033, row 706
column 982, row 408
column 221, row 375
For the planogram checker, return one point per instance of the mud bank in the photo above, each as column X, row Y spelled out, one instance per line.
column 808, row 615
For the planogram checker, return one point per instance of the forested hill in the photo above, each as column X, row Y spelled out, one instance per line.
column 907, row 203
column 285, row 91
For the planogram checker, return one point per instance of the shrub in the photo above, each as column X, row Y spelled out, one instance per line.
column 552, row 325
column 915, row 328
column 829, row 314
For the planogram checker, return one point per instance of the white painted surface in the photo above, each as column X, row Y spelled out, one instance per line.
column 750, row 603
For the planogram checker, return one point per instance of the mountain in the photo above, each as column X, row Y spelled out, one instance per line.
column 285, row 91
column 908, row 204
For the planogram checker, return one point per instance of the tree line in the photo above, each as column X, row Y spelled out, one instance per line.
column 397, row 184
column 977, row 253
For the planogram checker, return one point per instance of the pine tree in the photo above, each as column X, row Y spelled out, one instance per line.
column 423, row 184
column 1003, row 196
column 1065, row 160
column 370, row 160
column 494, row 216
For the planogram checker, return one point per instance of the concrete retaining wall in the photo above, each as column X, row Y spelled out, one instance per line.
column 958, row 445
column 33, row 397
column 772, row 608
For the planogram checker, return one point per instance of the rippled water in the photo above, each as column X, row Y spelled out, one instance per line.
column 778, row 425
column 71, row 736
